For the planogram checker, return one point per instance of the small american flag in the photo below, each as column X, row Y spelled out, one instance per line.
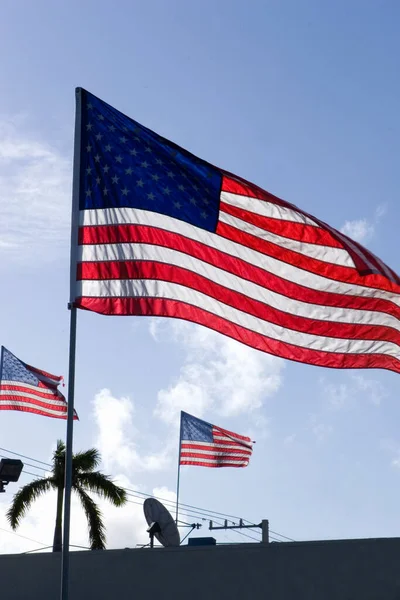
column 28, row 389
column 160, row 232
column 206, row 445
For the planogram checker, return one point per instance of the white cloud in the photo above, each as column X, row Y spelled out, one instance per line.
column 355, row 389
column 359, row 230
column 35, row 195
column 117, row 435
column 220, row 375
column 125, row 526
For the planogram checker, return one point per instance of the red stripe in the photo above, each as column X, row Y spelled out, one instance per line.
column 219, row 431
column 237, row 185
column 21, row 388
column 181, row 310
column 33, row 410
column 300, row 232
column 56, row 378
column 215, row 466
column 307, row 263
column 193, row 447
column 174, row 274
column 219, row 442
column 144, row 234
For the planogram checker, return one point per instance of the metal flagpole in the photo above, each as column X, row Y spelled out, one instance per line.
column 72, row 348
column 179, row 473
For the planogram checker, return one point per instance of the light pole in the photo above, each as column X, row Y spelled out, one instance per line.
column 10, row 470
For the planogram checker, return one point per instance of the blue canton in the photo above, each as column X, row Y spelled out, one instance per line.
column 195, row 430
column 124, row 164
column 13, row 369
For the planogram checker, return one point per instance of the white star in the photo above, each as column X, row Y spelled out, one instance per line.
column 206, row 201
column 151, row 196
column 140, row 182
column 89, row 170
column 97, row 158
column 111, row 128
column 98, row 180
column 88, row 148
column 184, row 174
column 136, row 138
column 115, row 179
column 193, row 200
column 125, row 191
column 159, row 161
column 133, row 152
column 123, row 139
column 144, row 164
column 88, row 193
column 89, row 127
column 89, row 106
column 129, row 171
column 196, row 188
column 105, row 191
column 204, row 214
column 108, row 148
column 100, row 117
column 148, row 149
column 166, row 191
column 177, row 205
column 181, row 187
column 155, row 177
column 106, row 168
column 118, row 158
column 125, row 129
column 171, row 174
column 99, row 136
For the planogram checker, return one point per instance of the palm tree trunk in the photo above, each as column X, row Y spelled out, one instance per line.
column 57, row 542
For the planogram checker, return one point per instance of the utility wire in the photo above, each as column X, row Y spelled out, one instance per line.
column 189, row 509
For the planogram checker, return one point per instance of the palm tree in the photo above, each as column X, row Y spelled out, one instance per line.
column 84, row 479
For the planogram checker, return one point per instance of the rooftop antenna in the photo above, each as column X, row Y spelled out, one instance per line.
column 161, row 524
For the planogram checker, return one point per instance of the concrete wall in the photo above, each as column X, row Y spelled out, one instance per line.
column 339, row 570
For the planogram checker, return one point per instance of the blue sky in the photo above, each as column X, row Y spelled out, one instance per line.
column 302, row 99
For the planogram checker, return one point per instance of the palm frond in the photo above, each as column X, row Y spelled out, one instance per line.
column 97, row 536
column 103, row 486
column 24, row 497
column 86, row 461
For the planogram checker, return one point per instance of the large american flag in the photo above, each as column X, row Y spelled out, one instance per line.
column 206, row 445
column 163, row 233
column 28, row 389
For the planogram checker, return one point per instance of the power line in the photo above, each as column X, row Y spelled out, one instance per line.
column 23, row 456
column 22, row 536
column 186, row 509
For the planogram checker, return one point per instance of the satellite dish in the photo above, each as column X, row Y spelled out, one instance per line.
column 161, row 524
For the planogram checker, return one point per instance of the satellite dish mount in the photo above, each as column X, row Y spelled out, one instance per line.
column 160, row 523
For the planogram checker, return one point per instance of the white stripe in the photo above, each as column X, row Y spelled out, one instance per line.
column 30, row 387
column 336, row 256
column 49, row 411
column 111, row 216
column 32, row 396
column 216, row 462
column 149, row 252
column 161, row 289
column 266, row 209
